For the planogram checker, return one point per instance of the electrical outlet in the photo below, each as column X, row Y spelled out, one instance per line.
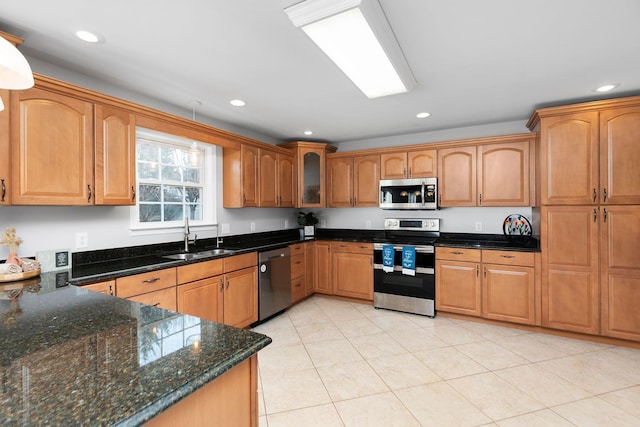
column 253, row 226
column 368, row 224
column 286, row 223
column 226, row 229
column 323, row 223
column 478, row 226
column 82, row 240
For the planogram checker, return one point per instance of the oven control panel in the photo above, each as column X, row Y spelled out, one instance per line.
column 414, row 224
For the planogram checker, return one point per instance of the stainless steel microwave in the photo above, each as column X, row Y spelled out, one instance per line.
column 413, row 193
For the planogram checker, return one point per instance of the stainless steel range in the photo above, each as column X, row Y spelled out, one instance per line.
column 402, row 289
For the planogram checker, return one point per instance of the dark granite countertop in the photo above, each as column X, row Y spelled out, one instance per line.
column 489, row 241
column 76, row 357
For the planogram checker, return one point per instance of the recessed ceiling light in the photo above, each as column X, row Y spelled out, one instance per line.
column 606, row 88
column 89, row 36
column 237, row 103
column 423, row 115
column 308, row 132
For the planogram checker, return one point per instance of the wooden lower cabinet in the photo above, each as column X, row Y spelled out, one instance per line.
column 499, row 285
column 620, row 272
column 310, row 265
column 570, row 268
column 352, row 270
column 222, row 290
column 107, row 288
column 298, row 272
column 229, row 400
column 202, row 298
column 323, row 268
column 458, row 282
column 156, row 288
column 241, row 297
column 509, row 286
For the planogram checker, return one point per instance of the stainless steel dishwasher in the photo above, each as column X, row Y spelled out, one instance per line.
column 274, row 282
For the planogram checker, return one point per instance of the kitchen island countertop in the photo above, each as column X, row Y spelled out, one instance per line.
column 76, row 357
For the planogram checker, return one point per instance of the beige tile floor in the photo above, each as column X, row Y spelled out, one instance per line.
column 335, row 363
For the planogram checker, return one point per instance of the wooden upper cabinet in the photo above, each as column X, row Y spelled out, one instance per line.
column 457, row 176
column 620, row 156
column 115, row 156
column 353, row 181
column 52, row 149
column 366, row 176
column 412, row 164
column 503, row 174
column 268, row 182
column 286, row 181
column 340, row 182
column 4, row 150
column 250, row 168
column 569, row 159
column 240, row 176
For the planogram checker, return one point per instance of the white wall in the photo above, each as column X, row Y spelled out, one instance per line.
column 459, row 220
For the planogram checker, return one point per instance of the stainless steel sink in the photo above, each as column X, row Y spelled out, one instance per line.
column 201, row 254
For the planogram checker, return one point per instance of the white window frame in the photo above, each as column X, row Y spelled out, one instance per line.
column 208, row 169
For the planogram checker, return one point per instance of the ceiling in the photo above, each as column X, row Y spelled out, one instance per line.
column 475, row 62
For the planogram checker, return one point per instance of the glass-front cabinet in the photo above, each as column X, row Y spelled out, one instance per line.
column 310, row 161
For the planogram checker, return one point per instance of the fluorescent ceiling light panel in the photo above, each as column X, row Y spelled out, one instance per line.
column 356, row 36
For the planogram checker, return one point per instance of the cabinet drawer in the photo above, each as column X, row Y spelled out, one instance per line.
column 458, row 254
column 508, row 258
column 352, row 247
column 297, row 266
column 107, row 287
column 200, row 270
column 298, row 290
column 239, row 262
column 297, row 249
column 145, row 282
column 164, row 298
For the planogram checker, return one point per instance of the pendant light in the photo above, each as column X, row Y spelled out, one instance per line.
column 15, row 72
column 194, row 152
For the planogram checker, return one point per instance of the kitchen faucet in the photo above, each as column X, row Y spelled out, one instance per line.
column 218, row 238
column 186, row 235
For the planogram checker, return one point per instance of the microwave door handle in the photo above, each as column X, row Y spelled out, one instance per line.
column 422, row 193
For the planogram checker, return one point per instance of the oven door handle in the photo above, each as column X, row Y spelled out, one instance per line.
column 421, row 249
column 419, row 270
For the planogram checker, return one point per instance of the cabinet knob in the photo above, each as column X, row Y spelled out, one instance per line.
column 133, row 193
column 155, row 279
column 595, row 195
column 90, row 194
column 4, row 190
column 507, row 256
column 457, row 253
column 604, row 195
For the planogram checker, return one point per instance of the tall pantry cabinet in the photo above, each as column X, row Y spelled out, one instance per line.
column 590, row 216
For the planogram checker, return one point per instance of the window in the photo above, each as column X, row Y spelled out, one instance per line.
column 175, row 179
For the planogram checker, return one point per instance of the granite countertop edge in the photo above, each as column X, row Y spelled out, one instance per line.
column 166, row 401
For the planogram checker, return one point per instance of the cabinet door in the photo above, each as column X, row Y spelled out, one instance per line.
column 115, row 160
column 241, row 297
column 311, row 178
column 309, row 260
column 366, row 177
column 423, row 164
column 352, row 275
column 570, row 291
column 249, row 176
column 393, row 166
column 164, row 298
column 107, row 288
column 268, row 182
column 503, row 174
column 323, row 268
column 286, row 181
column 457, row 176
column 340, row 182
column 458, row 287
column 52, row 149
column 569, row 159
column 620, row 272
column 620, row 156
column 509, row 293
column 202, row 298
column 4, row 149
